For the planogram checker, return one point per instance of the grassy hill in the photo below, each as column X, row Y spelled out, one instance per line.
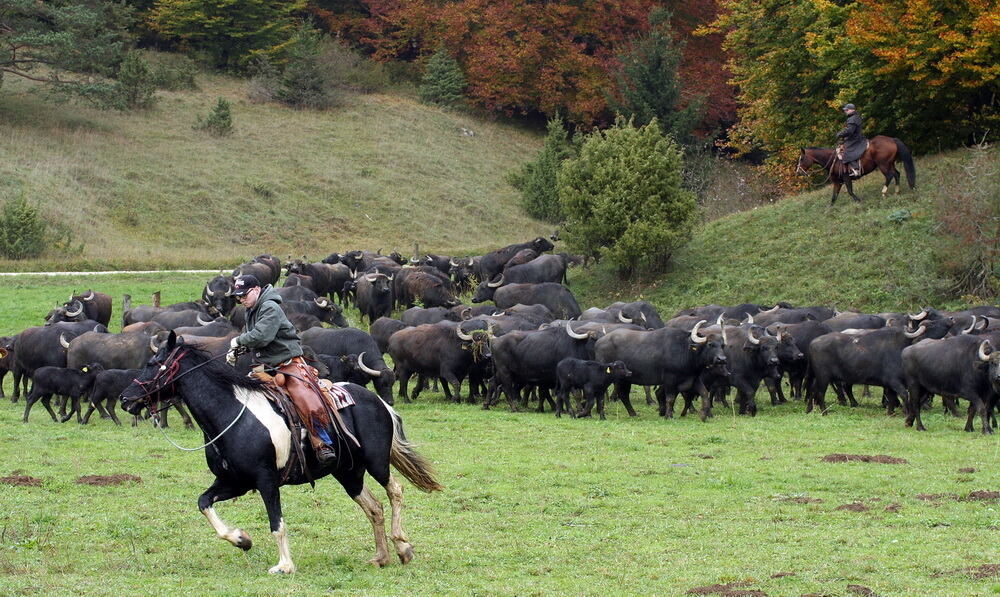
column 873, row 255
column 145, row 189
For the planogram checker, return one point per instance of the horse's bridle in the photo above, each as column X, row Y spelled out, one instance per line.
column 166, row 375
column 828, row 167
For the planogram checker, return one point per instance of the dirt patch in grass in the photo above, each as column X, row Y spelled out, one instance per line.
column 802, row 500
column 968, row 469
column 862, row 590
column 21, row 480
column 782, row 574
column 983, row 495
column 854, row 507
column 102, row 480
column 977, row 572
column 716, row 589
column 894, row 507
column 927, row 497
column 880, row 458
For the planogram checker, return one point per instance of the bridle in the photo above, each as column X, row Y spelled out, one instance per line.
column 828, row 167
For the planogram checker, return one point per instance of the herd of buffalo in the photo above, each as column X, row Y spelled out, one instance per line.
column 530, row 342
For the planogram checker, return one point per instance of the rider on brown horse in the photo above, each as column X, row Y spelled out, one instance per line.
column 854, row 143
column 275, row 343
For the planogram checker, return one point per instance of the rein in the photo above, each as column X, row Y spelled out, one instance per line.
column 828, row 167
column 169, row 369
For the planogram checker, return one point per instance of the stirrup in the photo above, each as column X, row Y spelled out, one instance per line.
column 325, row 454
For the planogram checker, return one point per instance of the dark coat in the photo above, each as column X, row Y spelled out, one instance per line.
column 269, row 334
column 855, row 143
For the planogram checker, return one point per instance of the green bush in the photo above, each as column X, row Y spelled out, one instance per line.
column 22, row 231
column 136, row 87
column 346, row 68
column 443, row 82
column 172, row 72
column 302, row 83
column 219, row 121
column 537, row 179
column 623, row 198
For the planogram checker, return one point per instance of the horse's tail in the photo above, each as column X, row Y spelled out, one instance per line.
column 903, row 152
column 405, row 458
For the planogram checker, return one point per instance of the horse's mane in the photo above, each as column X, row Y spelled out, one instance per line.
column 219, row 370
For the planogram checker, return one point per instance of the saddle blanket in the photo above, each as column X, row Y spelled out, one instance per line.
column 340, row 397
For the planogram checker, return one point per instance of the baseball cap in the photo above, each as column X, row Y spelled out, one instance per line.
column 849, row 107
column 245, row 284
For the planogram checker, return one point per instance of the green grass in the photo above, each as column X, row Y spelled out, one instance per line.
column 532, row 505
column 803, row 251
column 143, row 190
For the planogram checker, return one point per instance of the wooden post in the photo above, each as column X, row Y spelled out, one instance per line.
column 156, row 298
column 416, row 252
column 126, row 305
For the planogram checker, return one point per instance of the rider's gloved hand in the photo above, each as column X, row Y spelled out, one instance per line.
column 231, row 355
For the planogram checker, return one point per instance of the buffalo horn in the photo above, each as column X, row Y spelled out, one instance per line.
column 466, row 314
column 772, row 309
column 366, row 368
column 697, row 339
column 722, row 326
column 371, row 277
column 749, row 318
column 919, row 332
column 751, row 337
column 574, row 335
column 497, row 284
column 919, row 316
column 62, row 340
column 389, row 278
column 983, row 354
column 452, row 263
column 152, row 344
column 972, row 327
column 89, row 296
column 622, row 318
column 322, row 301
column 643, row 315
column 77, row 312
column 200, row 322
column 461, row 336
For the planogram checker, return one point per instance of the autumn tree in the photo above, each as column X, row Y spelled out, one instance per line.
column 228, row 33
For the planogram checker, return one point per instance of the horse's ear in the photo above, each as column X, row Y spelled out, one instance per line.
column 171, row 340
column 802, row 150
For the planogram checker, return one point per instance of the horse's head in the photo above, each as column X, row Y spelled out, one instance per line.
column 159, row 373
column 805, row 161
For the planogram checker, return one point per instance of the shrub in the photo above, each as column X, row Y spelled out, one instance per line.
column 623, row 198
column 537, row 179
column 443, row 82
column 302, row 83
column 968, row 212
column 345, row 68
column 136, row 87
column 173, row 72
column 22, row 231
column 219, row 121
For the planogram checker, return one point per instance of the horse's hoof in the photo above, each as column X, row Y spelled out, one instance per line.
column 406, row 554
column 379, row 561
column 243, row 541
column 279, row 569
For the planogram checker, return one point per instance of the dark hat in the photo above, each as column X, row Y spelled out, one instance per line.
column 245, row 284
column 849, row 107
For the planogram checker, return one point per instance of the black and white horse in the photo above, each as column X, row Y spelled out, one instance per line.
column 254, row 444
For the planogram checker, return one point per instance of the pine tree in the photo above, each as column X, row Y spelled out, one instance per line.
column 537, row 179
column 443, row 82
column 22, row 231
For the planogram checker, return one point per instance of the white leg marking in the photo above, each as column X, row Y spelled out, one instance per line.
column 281, row 437
column 885, row 189
column 285, row 565
column 235, row 536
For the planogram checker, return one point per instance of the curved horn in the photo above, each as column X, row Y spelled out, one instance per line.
column 322, row 301
column 919, row 316
column 62, row 341
column 452, row 263
column 772, row 309
column 366, row 368
column 461, row 336
column 77, row 312
column 389, row 278
column 97, row 328
column 919, row 332
column 643, row 315
column 972, row 327
column 622, row 318
column 697, row 339
column 752, row 338
column 152, row 344
column 89, row 296
column 496, row 284
column 749, row 318
column 574, row 335
column 200, row 322
column 983, row 355
column 722, row 326
column 466, row 314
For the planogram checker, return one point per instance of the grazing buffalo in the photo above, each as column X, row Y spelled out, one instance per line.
column 439, row 350
column 345, row 341
column 374, row 296
column 429, row 289
column 556, row 297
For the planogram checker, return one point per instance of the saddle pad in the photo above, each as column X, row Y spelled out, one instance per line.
column 340, row 397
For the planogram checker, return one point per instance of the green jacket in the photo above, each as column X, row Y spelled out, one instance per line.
column 269, row 335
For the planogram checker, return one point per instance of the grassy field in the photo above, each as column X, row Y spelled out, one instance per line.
column 532, row 505
column 145, row 190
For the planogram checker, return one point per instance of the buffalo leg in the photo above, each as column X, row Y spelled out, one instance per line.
column 419, row 386
column 404, row 379
column 34, row 397
column 649, row 395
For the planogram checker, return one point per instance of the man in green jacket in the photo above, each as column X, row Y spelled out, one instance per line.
column 275, row 344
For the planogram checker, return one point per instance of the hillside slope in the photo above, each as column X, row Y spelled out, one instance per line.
column 146, row 189
column 872, row 256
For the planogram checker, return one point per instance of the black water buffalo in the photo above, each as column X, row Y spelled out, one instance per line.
column 547, row 268
column 304, row 321
column 296, row 293
column 220, row 326
column 111, row 351
column 872, row 357
column 374, row 296
column 186, row 318
column 669, row 358
column 419, row 315
column 383, row 329
column 592, row 377
column 802, row 334
column 96, row 306
column 439, row 350
column 60, row 381
column 521, row 257
column 328, row 278
column 293, row 280
column 39, row 346
column 529, row 358
column 345, row 341
column 492, row 263
column 6, row 359
column 958, row 366
column 428, row 289
column 345, row 368
column 322, row 308
column 855, row 321
column 640, row 313
column 556, row 297
column 751, row 357
column 218, row 293
column 441, row 263
column 263, row 271
column 106, row 391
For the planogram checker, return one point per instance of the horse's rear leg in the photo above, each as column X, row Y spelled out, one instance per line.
column 216, row 493
column 373, row 510
column 271, row 495
column 403, row 548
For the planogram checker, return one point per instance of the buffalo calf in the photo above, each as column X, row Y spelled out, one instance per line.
column 590, row 376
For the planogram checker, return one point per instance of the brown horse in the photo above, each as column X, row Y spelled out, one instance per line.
column 882, row 153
